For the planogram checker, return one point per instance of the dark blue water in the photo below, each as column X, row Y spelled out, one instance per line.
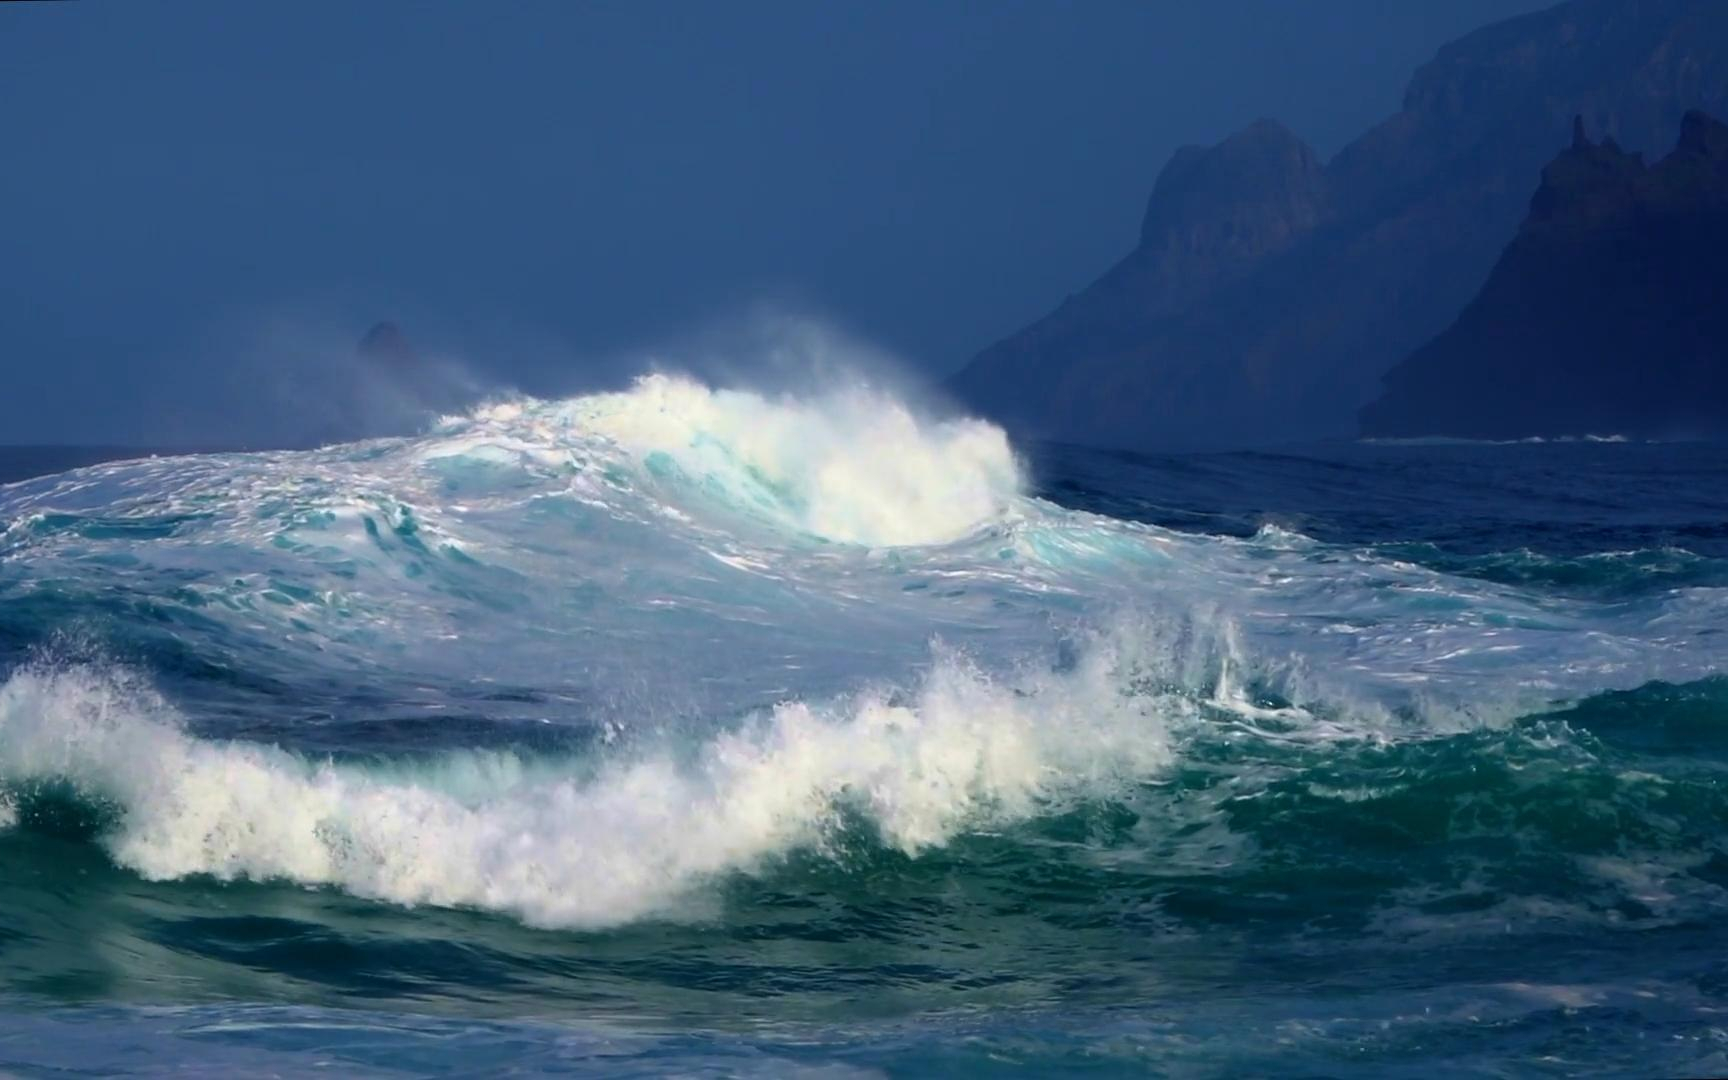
column 683, row 732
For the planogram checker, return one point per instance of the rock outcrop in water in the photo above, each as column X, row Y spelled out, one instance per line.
column 1607, row 314
column 383, row 386
column 1269, row 293
column 386, row 344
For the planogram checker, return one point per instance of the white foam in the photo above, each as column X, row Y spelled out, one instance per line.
column 563, row 845
column 852, row 465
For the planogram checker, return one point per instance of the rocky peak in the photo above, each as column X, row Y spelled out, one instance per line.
column 386, row 343
column 1265, row 299
column 1589, row 183
column 1698, row 167
column 1607, row 313
column 1703, row 136
column 1494, row 96
column 1586, row 181
column 1252, row 194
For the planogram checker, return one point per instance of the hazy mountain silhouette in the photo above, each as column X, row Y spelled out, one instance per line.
column 1607, row 314
column 1269, row 292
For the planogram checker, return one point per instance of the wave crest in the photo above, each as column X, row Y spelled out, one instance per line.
column 570, row 843
column 852, row 465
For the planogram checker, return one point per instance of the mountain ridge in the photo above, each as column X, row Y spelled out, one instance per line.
column 1289, row 293
column 1607, row 314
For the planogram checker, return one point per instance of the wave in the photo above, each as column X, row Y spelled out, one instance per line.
column 676, row 554
column 668, row 517
column 580, row 843
column 1612, row 574
column 668, row 542
column 1460, row 440
column 1148, row 761
column 853, row 465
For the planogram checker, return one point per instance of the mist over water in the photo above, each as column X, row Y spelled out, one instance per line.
column 727, row 728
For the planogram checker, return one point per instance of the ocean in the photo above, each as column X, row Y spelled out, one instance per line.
column 690, row 731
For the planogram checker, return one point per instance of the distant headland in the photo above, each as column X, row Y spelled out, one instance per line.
column 1270, row 291
column 1607, row 314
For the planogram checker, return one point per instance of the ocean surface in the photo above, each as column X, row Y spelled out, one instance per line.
column 695, row 731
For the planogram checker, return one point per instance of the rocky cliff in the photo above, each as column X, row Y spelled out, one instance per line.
column 1269, row 293
column 1608, row 314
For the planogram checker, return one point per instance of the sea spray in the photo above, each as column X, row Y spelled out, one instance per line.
column 853, row 465
column 591, row 845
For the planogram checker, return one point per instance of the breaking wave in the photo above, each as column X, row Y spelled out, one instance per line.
column 568, row 842
column 854, row 465
column 723, row 603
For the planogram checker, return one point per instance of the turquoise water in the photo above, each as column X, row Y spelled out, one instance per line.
column 691, row 731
